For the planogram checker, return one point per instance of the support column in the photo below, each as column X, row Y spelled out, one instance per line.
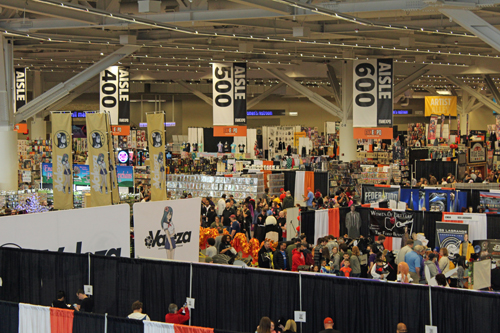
column 8, row 137
column 38, row 125
column 347, row 142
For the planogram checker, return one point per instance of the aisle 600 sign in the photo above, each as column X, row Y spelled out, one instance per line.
column 372, row 93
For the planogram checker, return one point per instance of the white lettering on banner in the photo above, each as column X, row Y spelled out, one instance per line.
column 155, row 221
column 109, row 93
column 20, row 86
column 441, row 102
column 124, row 85
column 240, row 82
column 73, row 231
column 373, row 93
column 223, row 91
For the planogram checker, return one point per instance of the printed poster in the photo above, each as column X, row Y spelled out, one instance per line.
column 373, row 194
column 125, row 176
column 490, row 201
column 62, row 160
column 390, row 223
column 100, row 190
column 450, row 235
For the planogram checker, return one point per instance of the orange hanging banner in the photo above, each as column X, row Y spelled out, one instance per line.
column 372, row 133
column 230, row 131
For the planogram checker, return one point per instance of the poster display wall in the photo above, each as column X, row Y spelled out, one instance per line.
column 62, row 170
column 74, row 231
column 486, row 248
column 390, row 223
column 168, row 229
column 372, row 93
column 490, row 201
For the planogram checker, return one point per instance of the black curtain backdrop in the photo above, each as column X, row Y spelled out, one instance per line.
column 307, row 225
column 210, row 142
column 321, row 182
column 290, row 181
column 123, row 325
column 439, row 169
column 493, row 226
column 9, row 317
column 234, row 299
column 88, row 322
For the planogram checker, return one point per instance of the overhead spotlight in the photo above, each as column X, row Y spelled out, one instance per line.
column 356, row 30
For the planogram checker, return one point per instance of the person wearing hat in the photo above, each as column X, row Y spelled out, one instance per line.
column 328, row 322
column 308, row 199
column 283, row 194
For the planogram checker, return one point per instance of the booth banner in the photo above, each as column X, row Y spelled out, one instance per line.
column 46, row 173
column 125, row 175
column 450, row 235
column 100, row 190
column 98, row 230
column 115, row 94
column 168, row 229
column 229, row 94
column 487, row 248
column 432, row 128
column 441, row 105
column 115, row 195
column 62, row 160
column 20, row 89
column 477, row 152
column 372, row 92
column 156, row 135
column 438, row 202
column 477, row 223
column 490, row 201
column 390, row 223
column 373, row 194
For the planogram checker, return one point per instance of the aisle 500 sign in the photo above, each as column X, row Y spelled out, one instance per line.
column 372, row 92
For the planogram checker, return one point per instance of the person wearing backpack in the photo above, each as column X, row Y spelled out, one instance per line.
column 137, row 312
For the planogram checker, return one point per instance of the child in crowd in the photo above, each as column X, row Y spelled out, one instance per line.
column 323, row 266
column 316, row 268
column 346, row 270
column 345, row 257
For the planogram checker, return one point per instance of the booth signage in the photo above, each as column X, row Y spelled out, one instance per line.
column 125, row 176
column 229, row 94
column 390, row 223
column 373, row 133
column 373, row 194
column 20, row 88
column 115, row 94
column 373, row 93
column 230, row 131
column 21, row 128
column 477, row 153
column 264, row 113
column 156, row 140
column 123, row 130
column 441, row 105
column 73, row 231
column 62, row 160
column 450, row 235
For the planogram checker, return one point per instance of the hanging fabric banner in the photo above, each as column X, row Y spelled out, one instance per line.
column 441, row 105
column 156, row 141
column 100, row 194
column 390, row 223
column 115, row 195
column 230, row 94
column 432, row 129
column 20, row 88
column 62, row 167
column 372, row 93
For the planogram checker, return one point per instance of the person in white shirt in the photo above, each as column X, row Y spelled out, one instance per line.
column 211, row 250
column 137, row 312
column 221, row 205
column 406, row 249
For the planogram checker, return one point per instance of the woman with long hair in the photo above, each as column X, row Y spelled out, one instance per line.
column 444, row 262
column 169, row 228
column 291, row 326
column 67, row 173
column 264, row 325
column 355, row 262
column 103, row 171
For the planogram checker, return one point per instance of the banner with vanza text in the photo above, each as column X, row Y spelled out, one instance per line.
column 373, row 93
column 168, row 229
column 156, row 141
column 97, row 137
column 62, row 160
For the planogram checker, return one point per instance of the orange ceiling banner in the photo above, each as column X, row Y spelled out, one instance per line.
column 372, row 132
column 21, row 128
column 230, row 131
column 123, row 130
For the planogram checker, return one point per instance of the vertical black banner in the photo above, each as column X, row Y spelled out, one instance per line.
column 240, row 93
column 123, row 96
column 385, row 72
column 20, row 87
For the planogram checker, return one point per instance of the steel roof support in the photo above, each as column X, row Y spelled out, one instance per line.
column 480, row 98
column 195, row 92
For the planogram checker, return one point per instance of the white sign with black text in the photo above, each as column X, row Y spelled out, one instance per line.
column 168, row 229
column 99, row 230
column 115, row 94
column 229, row 94
column 373, row 93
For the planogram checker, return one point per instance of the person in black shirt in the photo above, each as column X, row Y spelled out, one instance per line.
column 60, row 301
column 228, row 211
column 86, row 304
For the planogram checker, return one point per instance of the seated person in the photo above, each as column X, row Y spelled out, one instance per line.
column 60, row 301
